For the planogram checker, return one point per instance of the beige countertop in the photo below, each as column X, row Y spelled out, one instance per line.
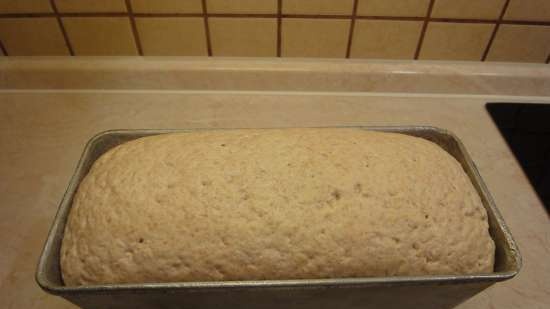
column 44, row 127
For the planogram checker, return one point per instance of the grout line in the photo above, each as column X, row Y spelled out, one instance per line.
column 525, row 22
column 462, row 20
column 495, row 30
column 206, row 28
column 251, row 15
column 397, row 18
column 3, row 48
column 351, row 28
column 66, row 14
column 24, row 15
column 94, row 14
column 242, row 15
column 423, row 31
column 279, row 27
column 62, row 28
column 145, row 15
column 134, row 27
column 315, row 16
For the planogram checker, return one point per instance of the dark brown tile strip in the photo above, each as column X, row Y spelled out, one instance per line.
column 423, row 31
column 495, row 30
column 62, row 28
column 525, row 22
column 134, row 27
column 95, row 14
column 242, row 15
column 26, row 15
column 76, row 14
column 279, row 27
column 314, row 16
column 463, row 20
column 145, row 15
column 277, row 15
column 206, row 28
column 3, row 48
column 351, row 28
column 396, row 18
column 547, row 58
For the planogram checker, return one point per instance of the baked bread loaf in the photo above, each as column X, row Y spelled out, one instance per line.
column 274, row 204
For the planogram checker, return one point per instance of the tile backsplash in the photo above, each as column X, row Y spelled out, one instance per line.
column 475, row 30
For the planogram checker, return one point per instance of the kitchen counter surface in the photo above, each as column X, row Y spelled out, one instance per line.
column 43, row 129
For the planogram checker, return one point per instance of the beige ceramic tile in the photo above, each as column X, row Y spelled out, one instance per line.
column 242, row 6
column 167, row 6
column 100, row 35
column 520, row 43
column 172, row 36
column 26, row 6
column 484, row 9
column 335, row 7
column 533, row 10
column 455, row 41
column 384, row 39
column 32, row 36
column 73, row 6
column 325, row 38
column 418, row 8
column 249, row 37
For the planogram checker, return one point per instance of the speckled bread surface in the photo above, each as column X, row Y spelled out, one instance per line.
column 274, row 204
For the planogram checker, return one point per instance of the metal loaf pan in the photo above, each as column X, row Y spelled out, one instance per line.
column 373, row 292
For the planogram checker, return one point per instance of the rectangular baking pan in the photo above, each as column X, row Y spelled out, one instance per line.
column 372, row 292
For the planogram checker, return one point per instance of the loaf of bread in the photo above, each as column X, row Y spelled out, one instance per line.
column 274, row 204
